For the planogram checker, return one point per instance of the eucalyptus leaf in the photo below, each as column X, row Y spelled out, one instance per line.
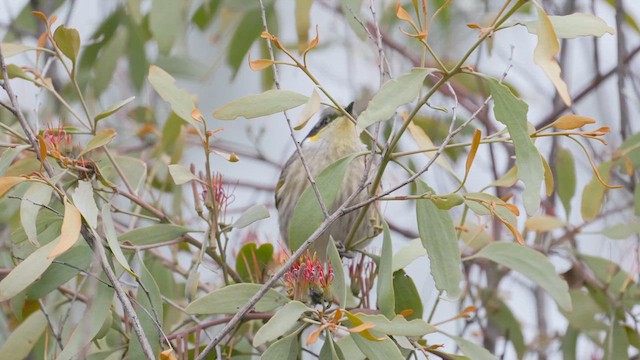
column 386, row 297
column 512, row 112
column 229, row 299
column 113, row 109
column 286, row 348
column 101, row 138
column 24, row 337
column 266, row 103
column 566, row 178
column 339, row 283
column 85, row 203
column 441, row 242
column 28, row 271
column 531, row 264
column 153, row 234
column 112, row 238
column 255, row 213
column 474, row 351
column 391, row 95
column 33, row 200
column 282, row 322
column 90, row 324
column 180, row 100
column 574, row 25
column 68, row 41
column 181, row 174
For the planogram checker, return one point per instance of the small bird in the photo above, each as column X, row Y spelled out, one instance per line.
column 333, row 137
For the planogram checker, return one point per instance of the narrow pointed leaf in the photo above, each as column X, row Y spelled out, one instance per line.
column 229, row 300
column 85, row 203
column 181, row 174
column 339, row 283
column 574, row 25
column 391, row 95
column 531, row 264
column 101, row 138
column 70, row 232
column 8, row 182
column 386, row 297
column 180, row 100
column 113, row 109
column 26, row 272
column 282, row 322
column 546, row 50
column 266, row 103
column 512, row 112
column 36, row 196
column 255, row 213
column 439, row 239
column 23, row 338
column 566, row 178
column 112, row 238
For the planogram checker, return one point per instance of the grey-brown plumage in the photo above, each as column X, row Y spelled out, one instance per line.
column 333, row 138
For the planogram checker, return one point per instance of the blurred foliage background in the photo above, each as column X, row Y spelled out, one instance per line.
column 112, row 128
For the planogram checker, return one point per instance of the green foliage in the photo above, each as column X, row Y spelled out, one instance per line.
column 128, row 239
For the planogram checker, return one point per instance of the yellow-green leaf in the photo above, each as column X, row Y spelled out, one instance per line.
column 101, row 138
column 68, row 41
column 545, row 52
column 572, row 121
column 70, row 232
column 266, row 103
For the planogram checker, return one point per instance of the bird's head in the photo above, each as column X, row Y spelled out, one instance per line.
column 332, row 126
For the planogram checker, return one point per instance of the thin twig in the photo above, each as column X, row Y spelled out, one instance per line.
column 48, row 318
column 276, row 81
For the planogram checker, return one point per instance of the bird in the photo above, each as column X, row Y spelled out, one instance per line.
column 332, row 138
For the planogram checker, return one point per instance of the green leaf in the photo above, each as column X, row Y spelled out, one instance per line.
column 281, row 323
column 303, row 23
column 205, row 14
column 386, row 297
column 407, row 297
column 622, row 231
column 378, row 350
column 573, row 25
column 101, row 138
column 135, row 170
column 566, row 178
column 570, row 343
column 474, row 351
column 229, row 300
column 36, row 196
column 512, row 112
column 22, row 339
column 351, row 9
column 593, row 193
column 408, row 254
column 137, row 54
column 447, row 201
column 330, row 350
column 307, row 215
column 85, row 203
column 181, row 101
column 149, row 311
column 10, row 49
column 166, row 22
column 252, row 261
column 114, row 108
column 66, row 267
column 245, row 34
column 543, row 223
column 26, row 272
column 112, row 238
column 181, row 174
column 636, row 201
column 441, row 242
column 531, row 264
column 399, row 325
column 153, row 234
column 391, row 95
column 90, row 324
column 586, row 312
column 286, row 348
column 68, row 41
column 500, row 315
column 616, row 344
column 106, row 62
column 7, row 157
column 266, row 103
column 255, row 213
column 339, row 283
